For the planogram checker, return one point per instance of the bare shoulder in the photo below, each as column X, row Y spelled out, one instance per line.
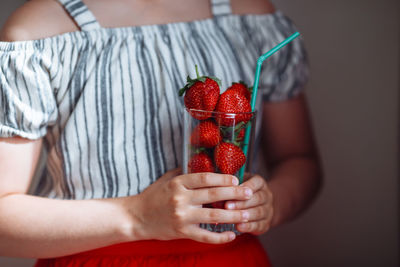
column 252, row 6
column 36, row 19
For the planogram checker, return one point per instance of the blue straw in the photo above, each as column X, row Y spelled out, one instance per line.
column 254, row 94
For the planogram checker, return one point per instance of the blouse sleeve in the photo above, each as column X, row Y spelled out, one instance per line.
column 27, row 103
column 285, row 74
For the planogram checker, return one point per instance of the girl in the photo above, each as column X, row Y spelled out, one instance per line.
column 94, row 83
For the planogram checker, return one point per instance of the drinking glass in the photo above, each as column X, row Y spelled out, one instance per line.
column 214, row 142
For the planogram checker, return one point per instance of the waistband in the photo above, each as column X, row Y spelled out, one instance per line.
column 170, row 247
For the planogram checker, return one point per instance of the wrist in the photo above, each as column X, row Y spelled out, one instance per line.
column 130, row 227
column 280, row 202
column 293, row 183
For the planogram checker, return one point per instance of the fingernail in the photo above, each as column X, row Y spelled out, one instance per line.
column 231, row 206
column 248, row 192
column 235, row 181
column 232, row 236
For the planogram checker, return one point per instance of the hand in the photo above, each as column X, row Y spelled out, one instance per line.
column 259, row 207
column 171, row 208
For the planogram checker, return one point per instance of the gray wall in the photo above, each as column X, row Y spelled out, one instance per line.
column 353, row 93
column 354, row 53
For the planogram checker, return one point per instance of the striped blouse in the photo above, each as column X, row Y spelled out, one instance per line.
column 105, row 100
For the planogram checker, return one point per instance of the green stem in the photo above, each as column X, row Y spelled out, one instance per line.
column 197, row 72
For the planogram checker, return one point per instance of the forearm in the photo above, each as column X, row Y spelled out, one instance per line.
column 294, row 183
column 37, row 227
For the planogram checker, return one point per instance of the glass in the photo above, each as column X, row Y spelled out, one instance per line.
column 214, row 142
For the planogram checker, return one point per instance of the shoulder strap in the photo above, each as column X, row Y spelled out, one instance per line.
column 221, row 7
column 80, row 13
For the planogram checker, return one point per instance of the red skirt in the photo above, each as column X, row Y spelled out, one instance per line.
column 244, row 251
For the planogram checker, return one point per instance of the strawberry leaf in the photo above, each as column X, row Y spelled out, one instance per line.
column 239, row 126
column 242, row 82
column 201, row 79
column 182, row 91
column 236, row 143
column 215, row 79
column 197, row 150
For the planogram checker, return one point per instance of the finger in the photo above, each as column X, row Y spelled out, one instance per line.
column 257, row 227
column 201, row 235
column 210, row 195
column 258, row 213
column 255, row 183
column 257, row 199
column 206, row 215
column 208, row 179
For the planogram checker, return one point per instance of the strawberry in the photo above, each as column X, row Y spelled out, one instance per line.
column 240, row 136
column 240, row 131
column 231, row 101
column 242, row 88
column 201, row 163
column 206, row 134
column 201, row 94
column 228, row 158
column 218, row 205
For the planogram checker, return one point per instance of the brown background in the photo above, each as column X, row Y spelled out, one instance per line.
column 354, row 50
